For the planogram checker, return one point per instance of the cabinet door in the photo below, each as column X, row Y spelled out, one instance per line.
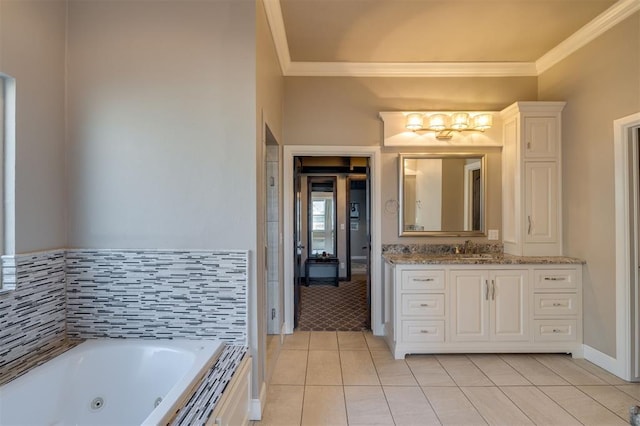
column 540, row 137
column 541, row 202
column 509, row 307
column 469, row 300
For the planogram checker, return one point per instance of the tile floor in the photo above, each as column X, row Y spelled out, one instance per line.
column 350, row 378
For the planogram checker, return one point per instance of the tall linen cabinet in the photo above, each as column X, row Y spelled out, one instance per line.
column 531, row 179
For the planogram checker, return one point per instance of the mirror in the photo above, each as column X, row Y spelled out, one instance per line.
column 322, row 216
column 442, row 194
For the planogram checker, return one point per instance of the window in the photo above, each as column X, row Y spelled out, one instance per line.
column 7, row 172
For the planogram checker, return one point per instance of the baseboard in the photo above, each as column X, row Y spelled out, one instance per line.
column 255, row 409
column 603, row 360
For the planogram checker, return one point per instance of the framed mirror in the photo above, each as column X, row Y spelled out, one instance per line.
column 442, row 194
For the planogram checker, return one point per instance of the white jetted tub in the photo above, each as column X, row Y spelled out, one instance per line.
column 109, row 382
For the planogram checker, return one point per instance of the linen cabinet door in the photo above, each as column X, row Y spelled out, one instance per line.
column 469, row 306
column 509, row 312
column 541, row 202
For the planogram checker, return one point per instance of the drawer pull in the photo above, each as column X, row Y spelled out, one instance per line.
column 424, row 331
column 423, row 280
column 557, row 304
column 556, row 330
column 554, row 278
column 425, row 305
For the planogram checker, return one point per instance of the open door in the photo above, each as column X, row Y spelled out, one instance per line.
column 297, row 238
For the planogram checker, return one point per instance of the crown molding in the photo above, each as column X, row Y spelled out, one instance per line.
column 598, row 26
column 411, row 69
column 278, row 33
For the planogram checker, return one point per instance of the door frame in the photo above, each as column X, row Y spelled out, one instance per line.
column 626, row 265
column 374, row 155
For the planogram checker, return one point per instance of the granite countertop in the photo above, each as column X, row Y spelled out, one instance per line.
column 477, row 259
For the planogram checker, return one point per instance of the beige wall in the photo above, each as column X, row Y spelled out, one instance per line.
column 600, row 82
column 344, row 111
column 158, row 105
column 32, row 50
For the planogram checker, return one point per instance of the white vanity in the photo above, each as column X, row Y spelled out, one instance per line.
column 482, row 303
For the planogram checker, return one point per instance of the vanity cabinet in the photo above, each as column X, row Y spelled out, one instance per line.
column 489, row 305
column 531, row 189
column 462, row 308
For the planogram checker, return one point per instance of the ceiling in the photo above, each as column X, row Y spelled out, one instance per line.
column 349, row 37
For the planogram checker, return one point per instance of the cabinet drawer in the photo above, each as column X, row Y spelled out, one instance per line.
column 422, row 331
column 425, row 304
column 422, row 280
column 554, row 330
column 555, row 278
column 556, row 304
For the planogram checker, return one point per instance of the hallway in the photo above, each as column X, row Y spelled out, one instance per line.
column 329, row 308
column 341, row 378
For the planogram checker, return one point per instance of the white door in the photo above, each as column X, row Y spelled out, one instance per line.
column 509, row 310
column 541, row 202
column 469, row 304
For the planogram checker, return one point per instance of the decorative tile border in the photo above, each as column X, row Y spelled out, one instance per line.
column 157, row 294
column 203, row 401
column 32, row 314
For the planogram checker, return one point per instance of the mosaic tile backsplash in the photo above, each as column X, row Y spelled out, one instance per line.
column 157, row 293
column 32, row 314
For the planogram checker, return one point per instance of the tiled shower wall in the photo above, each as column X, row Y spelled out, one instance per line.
column 32, row 313
column 126, row 293
column 273, row 234
column 157, row 294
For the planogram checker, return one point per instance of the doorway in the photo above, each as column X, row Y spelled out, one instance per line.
column 626, row 364
column 332, row 213
column 293, row 197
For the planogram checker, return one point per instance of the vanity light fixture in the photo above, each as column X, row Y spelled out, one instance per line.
column 445, row 124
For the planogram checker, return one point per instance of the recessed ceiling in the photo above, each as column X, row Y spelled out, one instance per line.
column 431, row 38
column 431, row 30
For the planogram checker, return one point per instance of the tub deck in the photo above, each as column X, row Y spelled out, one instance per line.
column 198, row 408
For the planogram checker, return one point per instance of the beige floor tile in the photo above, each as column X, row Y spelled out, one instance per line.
column 375, row 343
column 366, row 405
column 572, row 373
column 392, row 371
column 428, row 371
column 538, row 406
column 612, row 398
column 358, row 368
column 581, row 406
column 283, row 406
column 599, row 372
column 409, row 406
column 463, row 371
column 291, row 368
column 324, row 405
column 323, row 341
column 495, row 407
column 273, row 349
column 297, row 340
column 352, row 341
column 632, row 389
column 498, row 371
column 533, row 371
column 452, row 406
column 323, row 368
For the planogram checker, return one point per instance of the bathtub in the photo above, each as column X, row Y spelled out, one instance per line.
column 109, row 382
